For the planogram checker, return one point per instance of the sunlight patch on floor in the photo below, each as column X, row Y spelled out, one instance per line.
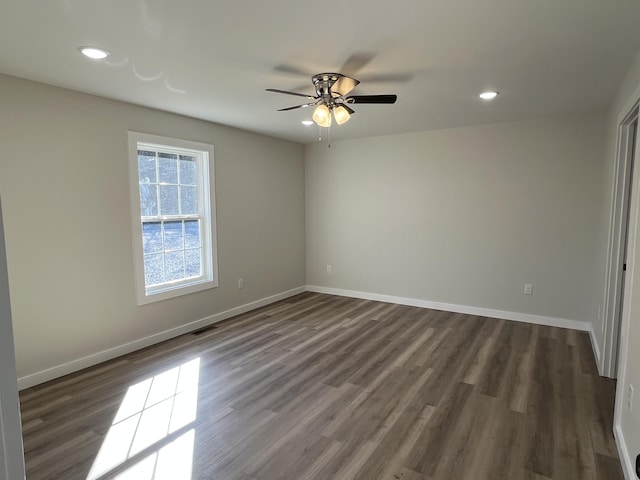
column 149, row 414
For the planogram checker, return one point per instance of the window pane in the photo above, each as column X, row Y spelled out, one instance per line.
column 147, row 166
column 191, row 234
column 148, row 199
column 173, row 236
column 188, row 170
column 152, row 237
column 168, row 168
column 174, row 266
column 192, row 263
column 168, row 199
column 188, row 200
column 153, row 269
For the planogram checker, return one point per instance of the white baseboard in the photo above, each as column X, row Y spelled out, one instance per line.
column 623, row 453
column 595, row 347
column 450, row 307
column 111, row 353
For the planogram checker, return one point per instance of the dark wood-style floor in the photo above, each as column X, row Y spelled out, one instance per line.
column 332, row 388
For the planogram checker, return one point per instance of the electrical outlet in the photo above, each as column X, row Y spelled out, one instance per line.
column 328, row 268
column 528, row 289
column 240, row 283
column 630, row 400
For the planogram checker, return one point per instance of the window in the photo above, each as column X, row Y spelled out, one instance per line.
column 173, row 216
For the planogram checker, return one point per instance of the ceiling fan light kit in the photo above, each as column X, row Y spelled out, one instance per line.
column 331, row 97
column 322, row 116
column 341, row 114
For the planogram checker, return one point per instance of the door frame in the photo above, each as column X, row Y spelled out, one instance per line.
column 619, row 232
column 11, row 449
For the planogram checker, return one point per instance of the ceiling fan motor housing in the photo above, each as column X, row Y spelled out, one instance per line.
column 333, row 85
column 323, row 83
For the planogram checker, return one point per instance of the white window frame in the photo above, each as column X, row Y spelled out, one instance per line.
column 209, row 278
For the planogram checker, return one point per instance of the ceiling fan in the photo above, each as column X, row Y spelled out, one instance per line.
column 331, row 96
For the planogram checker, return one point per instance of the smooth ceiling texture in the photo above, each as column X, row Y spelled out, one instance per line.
column 213, row 60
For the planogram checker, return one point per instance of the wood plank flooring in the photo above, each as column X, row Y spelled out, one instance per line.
column 319, row 387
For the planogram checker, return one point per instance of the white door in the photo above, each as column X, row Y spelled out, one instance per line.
column 626, row 163
column 633, row 146
column 11, row 452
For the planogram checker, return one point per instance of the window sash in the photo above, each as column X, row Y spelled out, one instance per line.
column 183, row 249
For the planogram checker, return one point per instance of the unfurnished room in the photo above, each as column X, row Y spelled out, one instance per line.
column 319, row 241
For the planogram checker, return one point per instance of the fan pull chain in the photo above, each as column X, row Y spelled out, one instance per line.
column 328, row 136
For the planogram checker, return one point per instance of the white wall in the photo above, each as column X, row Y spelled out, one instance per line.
column 627, row 422
column 11, row 454
column 64, row 182
column 463, row 216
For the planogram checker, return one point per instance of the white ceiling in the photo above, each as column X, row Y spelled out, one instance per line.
column 213, row 59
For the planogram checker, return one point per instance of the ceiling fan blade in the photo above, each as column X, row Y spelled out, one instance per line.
column 356, row 62
column 292, row 70
column 391, row 77
column 290, row 93
column 347, row 108
column 387, row 99
column 297, row 106
column 343, row 86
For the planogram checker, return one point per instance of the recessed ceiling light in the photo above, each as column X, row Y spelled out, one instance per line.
column 307, row 122
column 488, row 95
column 93, row 53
